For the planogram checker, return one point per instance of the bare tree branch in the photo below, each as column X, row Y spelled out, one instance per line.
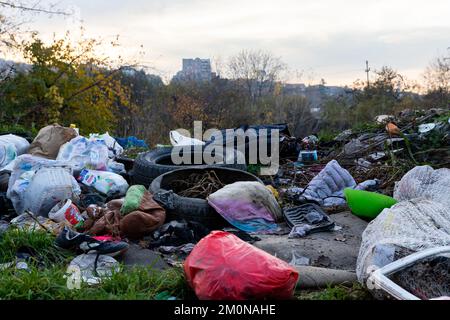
column 33, row 8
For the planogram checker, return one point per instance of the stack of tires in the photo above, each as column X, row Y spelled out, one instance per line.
column 152, row 164
column 155, row 170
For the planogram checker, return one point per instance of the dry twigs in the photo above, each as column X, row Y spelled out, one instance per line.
column 198, row 185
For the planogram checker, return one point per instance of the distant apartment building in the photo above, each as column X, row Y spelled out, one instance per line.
column 195, row 70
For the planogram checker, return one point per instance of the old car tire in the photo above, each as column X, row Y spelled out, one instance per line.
column 193, row 209
column 154, row 163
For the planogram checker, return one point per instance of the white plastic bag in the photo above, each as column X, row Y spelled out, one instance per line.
column 24, row 169
column 82, row 153
column 114, row 147
column 11, row 146
column 179, row 140
column 47, row 187
column 108, row 183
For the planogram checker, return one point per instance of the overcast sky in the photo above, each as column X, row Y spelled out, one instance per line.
column 329, row 39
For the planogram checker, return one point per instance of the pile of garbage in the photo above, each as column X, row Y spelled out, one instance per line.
column 99, row 195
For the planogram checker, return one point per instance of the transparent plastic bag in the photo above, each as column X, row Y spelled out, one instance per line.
column 83, row 153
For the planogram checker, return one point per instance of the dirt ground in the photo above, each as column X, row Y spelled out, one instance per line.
column 334, row 249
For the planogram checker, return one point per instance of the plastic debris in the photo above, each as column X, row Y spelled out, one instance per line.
column 115, row 149
column 306, row 219
column 179, row 140
column 216, row 271
column 424, row 182
column 38, row 184
column 426, row 127
column 107, row 183
column 83, row 153
column 29, row 222
column 415, row 225
column 66, row 210
column 367, row 204
column 11, row 146
column 92, row 268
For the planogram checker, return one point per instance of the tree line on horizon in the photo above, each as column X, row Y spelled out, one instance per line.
column 69, row 82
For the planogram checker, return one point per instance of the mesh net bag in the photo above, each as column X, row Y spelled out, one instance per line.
column 421, row 220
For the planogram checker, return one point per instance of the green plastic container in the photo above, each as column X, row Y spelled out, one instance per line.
column 366, row 204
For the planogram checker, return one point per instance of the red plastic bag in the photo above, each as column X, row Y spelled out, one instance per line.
column 223, row 267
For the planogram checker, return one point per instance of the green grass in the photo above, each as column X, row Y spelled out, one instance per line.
column 40, row 242
column 366, row 127
column 45, row 278
column 327, row 135
column 354, row 291
column 50, row 283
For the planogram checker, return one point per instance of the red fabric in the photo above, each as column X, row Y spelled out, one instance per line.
column 223, row 267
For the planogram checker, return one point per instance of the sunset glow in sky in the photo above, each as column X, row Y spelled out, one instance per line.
column 328, row 39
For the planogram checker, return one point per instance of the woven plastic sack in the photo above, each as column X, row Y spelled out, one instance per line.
column 420, row 220
column 409, row 226
column 425, row 182
column 223, row 267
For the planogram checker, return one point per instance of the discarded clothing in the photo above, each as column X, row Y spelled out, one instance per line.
column 141, row 222
column 327, row 188
column 50, row 139
column 248, row 206
column 103, row 220
column 145, row 219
